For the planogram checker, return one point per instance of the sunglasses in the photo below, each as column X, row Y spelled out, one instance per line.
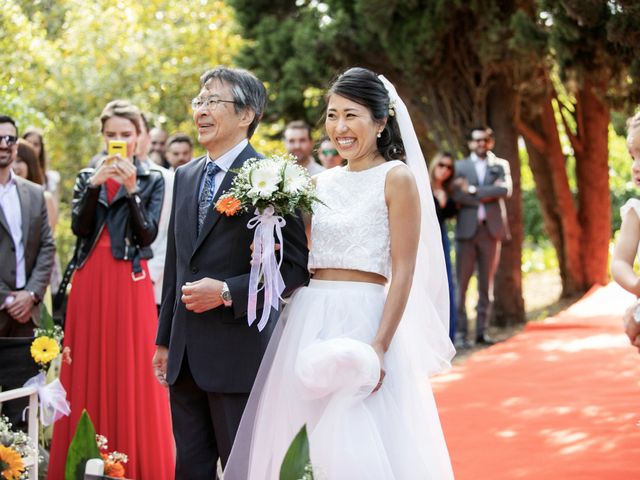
column 331, row 151
column 446, row 165
column 10, row 140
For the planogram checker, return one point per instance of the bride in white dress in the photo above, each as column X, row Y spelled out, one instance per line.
column 351, row 355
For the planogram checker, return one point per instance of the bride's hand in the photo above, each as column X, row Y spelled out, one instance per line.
column 380, row 352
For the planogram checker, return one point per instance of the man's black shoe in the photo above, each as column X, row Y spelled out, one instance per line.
column 485, row 340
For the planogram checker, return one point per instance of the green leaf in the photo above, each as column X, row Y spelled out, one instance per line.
column 297, row 457
column 83, row 447
column 46, row 320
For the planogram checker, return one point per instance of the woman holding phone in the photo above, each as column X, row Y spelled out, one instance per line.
column 111, row 313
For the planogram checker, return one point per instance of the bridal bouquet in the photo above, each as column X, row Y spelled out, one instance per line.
column 274, row 187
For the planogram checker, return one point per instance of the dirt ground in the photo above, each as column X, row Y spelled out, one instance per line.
column 541, row 291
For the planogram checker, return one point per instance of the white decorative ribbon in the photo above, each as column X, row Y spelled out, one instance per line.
column 264, row 264
column 53, row 399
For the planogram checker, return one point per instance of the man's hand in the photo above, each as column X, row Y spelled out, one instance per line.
column 202, row 295
column 159, row 363
column 20, row 308
column 631, row 327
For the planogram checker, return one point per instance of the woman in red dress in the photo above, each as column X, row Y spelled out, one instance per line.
column 111, row 315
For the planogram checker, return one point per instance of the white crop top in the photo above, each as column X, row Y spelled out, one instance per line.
column 351, row 231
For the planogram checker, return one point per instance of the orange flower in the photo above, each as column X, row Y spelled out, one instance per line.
column 228, row 205
column 115, row 470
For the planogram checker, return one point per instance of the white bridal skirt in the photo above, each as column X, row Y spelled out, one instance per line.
column 319, row 370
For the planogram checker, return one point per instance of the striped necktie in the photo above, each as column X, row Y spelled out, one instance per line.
column 206, row 195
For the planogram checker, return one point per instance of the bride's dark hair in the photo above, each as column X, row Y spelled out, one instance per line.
column 364, row 87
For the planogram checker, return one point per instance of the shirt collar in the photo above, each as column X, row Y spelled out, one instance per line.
column 225, row 160
column 12, row 180
column 475, row 158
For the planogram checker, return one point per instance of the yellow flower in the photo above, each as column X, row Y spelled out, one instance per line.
column 44, row 349
column 11, row 464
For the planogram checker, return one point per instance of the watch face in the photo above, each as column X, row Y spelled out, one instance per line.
column 226, row 295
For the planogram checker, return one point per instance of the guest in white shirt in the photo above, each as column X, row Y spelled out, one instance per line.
column 27, row 251
column 298, row 142
column 159, row 245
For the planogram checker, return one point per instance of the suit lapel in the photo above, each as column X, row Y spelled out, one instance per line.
column 473, row 175
column 3, row 221
column 193, row 177
column 213, row 216
column 25, row 206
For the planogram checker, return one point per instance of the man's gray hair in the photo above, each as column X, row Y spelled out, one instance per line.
column 247, row 91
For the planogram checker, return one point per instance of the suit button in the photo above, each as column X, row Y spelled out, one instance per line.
column 194, row 269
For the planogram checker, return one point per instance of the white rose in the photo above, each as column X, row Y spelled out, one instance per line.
column 264, row 180
column 295, row 179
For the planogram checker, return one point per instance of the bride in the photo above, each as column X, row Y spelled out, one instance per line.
column 352, row 350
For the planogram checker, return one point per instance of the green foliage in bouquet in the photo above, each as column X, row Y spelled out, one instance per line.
column 83, row 447
column 297, row 462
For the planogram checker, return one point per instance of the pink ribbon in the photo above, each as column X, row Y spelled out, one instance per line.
column 264, row 266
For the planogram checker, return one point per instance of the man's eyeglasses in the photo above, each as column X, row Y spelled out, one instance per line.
column 446, row 165
column 8, row 139
column 210, row 103
column 329, row 152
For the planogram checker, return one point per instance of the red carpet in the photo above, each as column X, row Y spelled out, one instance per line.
column 561, row 400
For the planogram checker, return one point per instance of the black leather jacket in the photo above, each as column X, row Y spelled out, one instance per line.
column 132, row 220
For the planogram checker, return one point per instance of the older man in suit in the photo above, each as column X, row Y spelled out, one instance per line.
column 206, row 351
column 481, row 226
column 27, row 252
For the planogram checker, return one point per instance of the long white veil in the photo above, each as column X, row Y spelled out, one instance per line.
column 426, row 316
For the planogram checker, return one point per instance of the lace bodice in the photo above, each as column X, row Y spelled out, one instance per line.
column 351, row 231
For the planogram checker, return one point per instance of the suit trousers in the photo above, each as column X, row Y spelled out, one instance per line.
column 483, row 251
column 204, row 425
column 18, row 367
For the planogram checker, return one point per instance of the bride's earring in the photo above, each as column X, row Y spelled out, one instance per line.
column 379, row 134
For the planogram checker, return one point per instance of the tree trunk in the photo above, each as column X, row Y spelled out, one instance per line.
column 509, row 304
column 559, row 211
column 592, row 173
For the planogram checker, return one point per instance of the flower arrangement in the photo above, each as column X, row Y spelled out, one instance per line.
column 114, row 462
column 15, row 447
column 47, row 344
column 277, row 182
column 274, row 187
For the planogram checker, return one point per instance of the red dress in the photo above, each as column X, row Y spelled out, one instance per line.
column 110, row 328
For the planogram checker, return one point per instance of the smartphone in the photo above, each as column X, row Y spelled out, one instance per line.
column 117, row 147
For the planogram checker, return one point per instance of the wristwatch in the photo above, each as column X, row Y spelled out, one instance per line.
column 225, row 294
column 34, row 297
column 472, row 189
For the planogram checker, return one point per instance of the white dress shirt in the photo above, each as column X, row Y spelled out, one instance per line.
column 480, row 165
column 10, row 204
column 313, row 167
column 224, row 161
column 159, row 245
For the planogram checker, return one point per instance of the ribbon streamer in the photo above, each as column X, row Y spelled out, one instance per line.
column 264, row 265
column 53, row 399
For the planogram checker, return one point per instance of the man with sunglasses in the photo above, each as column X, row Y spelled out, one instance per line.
column 481, row 226
column 328, row 154
column 27, row 250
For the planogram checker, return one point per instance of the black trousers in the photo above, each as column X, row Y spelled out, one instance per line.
column 16, row 367
column 204, row 426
